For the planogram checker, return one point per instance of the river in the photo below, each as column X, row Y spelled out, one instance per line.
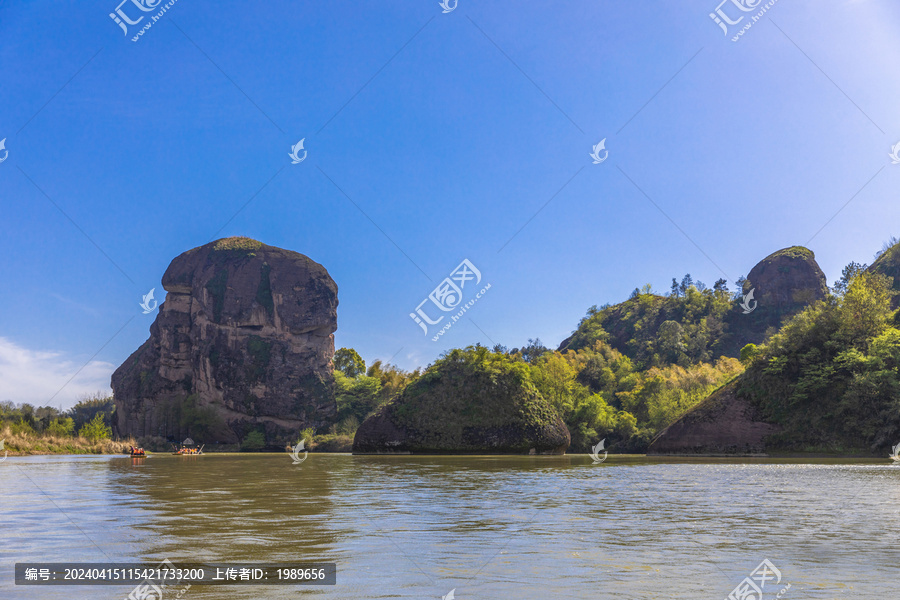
column 487, row 527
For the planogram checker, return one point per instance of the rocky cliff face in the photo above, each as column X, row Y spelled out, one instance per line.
column 723, row 424
column 243, row 341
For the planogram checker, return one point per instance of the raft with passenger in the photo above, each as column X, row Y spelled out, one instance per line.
column 188, row 448
column 137, row 452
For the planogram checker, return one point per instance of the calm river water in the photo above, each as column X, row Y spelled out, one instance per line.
column 487, row 527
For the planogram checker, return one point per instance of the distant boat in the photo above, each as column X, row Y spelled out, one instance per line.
column 137, row 452
column 895, row 453
column 188, row 448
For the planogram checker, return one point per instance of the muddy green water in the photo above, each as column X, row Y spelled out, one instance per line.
column 489, row 527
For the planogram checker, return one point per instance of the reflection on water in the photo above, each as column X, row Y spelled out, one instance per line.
column 491, row 527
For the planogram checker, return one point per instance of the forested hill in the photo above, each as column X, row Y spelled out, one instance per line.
column 828, row 381
column 694, row 323
column 821, row 369
column 887, row 263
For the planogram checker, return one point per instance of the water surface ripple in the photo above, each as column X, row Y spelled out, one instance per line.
column 490, row 527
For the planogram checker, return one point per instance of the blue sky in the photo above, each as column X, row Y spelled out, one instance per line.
column 431, row 138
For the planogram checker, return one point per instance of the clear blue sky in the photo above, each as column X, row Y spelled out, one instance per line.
column 450, row 131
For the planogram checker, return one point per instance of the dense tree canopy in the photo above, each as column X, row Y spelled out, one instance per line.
column 830, row 376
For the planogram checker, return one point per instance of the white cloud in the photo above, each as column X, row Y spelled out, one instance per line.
column 43, row 378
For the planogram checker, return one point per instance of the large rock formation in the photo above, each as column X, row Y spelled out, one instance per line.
column 723, row 424
column 787, row 280
column 470, row 402
column 243, row 341
column 783, row 284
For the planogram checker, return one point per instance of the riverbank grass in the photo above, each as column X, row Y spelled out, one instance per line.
column 26, row 443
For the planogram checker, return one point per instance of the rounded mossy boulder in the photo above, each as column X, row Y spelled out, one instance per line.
column 470, row 401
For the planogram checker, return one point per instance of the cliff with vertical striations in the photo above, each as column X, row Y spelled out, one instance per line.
column 243, row 341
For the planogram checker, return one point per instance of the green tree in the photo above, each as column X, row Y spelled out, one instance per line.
column 748, row 353
column 670, row 339
column 89, row 406
column 61, row 427
column 253, row 441
column 356, row 397
column 865, row 308
column 533, row 350
column 847, row 275
column 349, row 362
column 96, row 429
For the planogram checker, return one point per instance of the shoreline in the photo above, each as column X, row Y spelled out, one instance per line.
column 612, row 458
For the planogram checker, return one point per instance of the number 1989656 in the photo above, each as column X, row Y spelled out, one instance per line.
column 301, row 574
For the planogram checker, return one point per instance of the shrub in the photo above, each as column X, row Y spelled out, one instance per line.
column 95, row 429
column 748, row 353
column 307, row 436
column 254, row 441
column 21, row 427
column 62, row 427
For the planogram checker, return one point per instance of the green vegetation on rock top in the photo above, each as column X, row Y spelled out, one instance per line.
column 795, row 252
column 236, row 243
column 472, row 387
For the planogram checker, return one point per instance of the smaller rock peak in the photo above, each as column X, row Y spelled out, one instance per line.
column 787, row 280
